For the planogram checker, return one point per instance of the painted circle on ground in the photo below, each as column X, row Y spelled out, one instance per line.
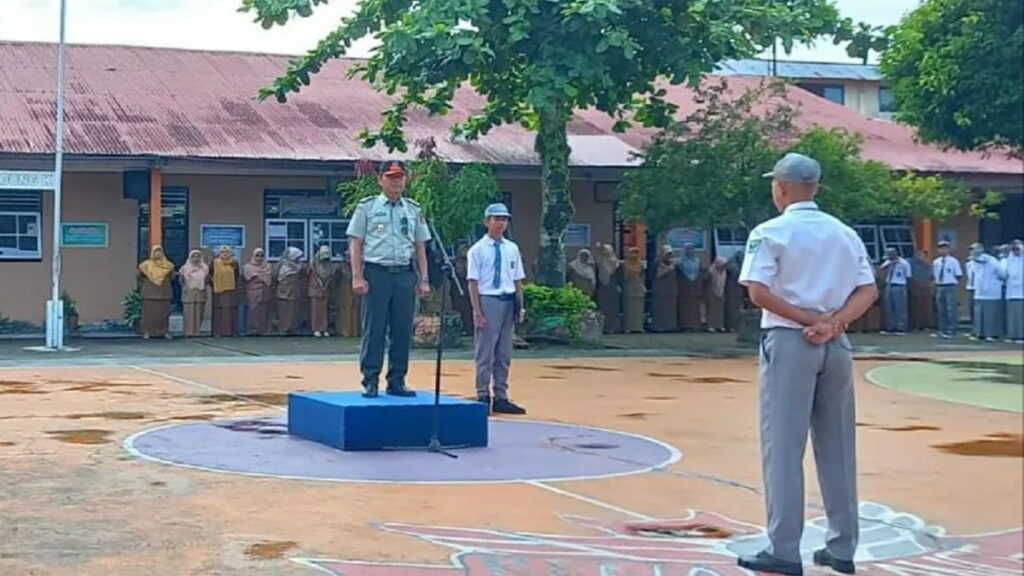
column 519, row 451
column 992, row 382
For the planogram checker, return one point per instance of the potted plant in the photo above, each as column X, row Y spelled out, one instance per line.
column 132, row 306
column 70, row 312
column 565, row 315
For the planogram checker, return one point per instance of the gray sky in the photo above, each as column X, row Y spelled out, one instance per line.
column 216, row 24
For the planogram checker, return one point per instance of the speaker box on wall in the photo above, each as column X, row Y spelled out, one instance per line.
column 135, row 184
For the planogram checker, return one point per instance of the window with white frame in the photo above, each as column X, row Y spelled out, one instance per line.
column 331, row 233
column 282, row 234
column 728, row 241
column 869, row 235
column 900, row 237
column 20, row 230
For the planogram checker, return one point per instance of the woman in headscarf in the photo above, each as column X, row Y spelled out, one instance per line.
column 733, row 292
column 582, row 273
column 350, row 319
column 717, row 276
column 691, row 289
column 225, row 288
column 665, row 288
column 259, row 283
column 155, row 275
column 609, row 281
column 195, row 276
column 633, row 291
column 291, row 274
column 922, row 315
column 323, row 282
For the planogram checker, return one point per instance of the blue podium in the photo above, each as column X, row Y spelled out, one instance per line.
column 347, row 421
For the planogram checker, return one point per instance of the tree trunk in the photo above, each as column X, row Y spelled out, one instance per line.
column 557, row 210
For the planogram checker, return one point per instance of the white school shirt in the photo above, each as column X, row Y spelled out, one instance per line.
column 970, row 275
column 897, row 273
column 1013, row 267
column 808, row 258
column 480, row 266
column 988, row 278
column 946, row 271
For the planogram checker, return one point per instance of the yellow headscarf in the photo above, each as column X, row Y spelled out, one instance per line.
column 224, row 270
column 157, row 268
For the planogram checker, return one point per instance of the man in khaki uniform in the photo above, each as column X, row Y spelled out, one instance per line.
column 386, row 233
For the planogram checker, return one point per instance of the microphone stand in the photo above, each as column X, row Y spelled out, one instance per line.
column 448, row 268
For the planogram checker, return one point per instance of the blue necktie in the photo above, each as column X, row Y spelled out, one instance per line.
column 497, row 265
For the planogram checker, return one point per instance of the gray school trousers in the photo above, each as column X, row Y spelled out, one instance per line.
column 804, row 387
column 897, row 316
column 494, row 345
column 946, row 305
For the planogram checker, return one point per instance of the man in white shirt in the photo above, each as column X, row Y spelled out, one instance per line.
column 946, row 273
column 989, row 275
column 1013, row 266
column 495, row 272
column 811, row 275
column 897, row 272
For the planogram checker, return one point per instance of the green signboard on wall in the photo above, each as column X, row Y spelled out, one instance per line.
column 85, row 234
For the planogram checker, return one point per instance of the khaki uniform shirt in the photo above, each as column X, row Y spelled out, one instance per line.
column 389, row 230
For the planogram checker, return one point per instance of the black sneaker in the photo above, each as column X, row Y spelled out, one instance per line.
column 370, row 391
column 765, row 562
column 505, row 406
column 400, row 391
column 484, row 400
column 823, row 558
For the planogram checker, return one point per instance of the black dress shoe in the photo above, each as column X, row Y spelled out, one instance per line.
column 824, row 558
column 400, row 391
column 484, row 400
column 765, row 562
column 370, row 392
column 505, row 406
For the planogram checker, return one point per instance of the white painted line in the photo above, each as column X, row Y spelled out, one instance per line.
column 589, row 500
column 205, row 387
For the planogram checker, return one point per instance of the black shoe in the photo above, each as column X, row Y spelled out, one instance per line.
column 505, row 406
column 400, row 391
column 484, row 400
column 823, row 558
column 765, row 562
column 370, row 391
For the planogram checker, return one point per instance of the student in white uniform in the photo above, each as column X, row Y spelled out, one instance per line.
column 1013, row 266
column 988, row 294
column 897, row 273
column 811, row 275
column 495, row 272
column 946, row 273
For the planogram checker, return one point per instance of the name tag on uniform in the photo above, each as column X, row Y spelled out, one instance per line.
column 379, row 227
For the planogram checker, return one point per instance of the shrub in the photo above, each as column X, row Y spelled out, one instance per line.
column 568, row 302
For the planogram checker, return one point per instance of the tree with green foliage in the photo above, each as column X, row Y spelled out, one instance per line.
column 863, row 39
column 537, row 61
column 957, row 72
column 707, row 170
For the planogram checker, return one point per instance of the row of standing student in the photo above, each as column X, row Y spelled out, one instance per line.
column 292, row 294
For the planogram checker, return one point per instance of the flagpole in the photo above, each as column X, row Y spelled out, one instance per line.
column 55, row 318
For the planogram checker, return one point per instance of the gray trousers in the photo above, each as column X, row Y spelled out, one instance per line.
column 988, row 318
column 806, row 387
column 1015, row 319
column 897, row 316
column 946, row 305
column 388, row 310
column 494, row 346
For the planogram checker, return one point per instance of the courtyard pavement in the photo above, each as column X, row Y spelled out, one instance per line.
column 166, row 458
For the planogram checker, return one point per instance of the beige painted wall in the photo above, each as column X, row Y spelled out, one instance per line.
column 99, row 278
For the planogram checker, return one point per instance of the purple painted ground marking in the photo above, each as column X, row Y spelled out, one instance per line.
column 518, row 451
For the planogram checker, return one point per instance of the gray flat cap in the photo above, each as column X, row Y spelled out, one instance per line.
column 796, row 168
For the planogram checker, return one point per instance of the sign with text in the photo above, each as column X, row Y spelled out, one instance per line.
column 213, row 236
column 303, row 207
column 85, row 234
column 577, row 235
column 679, row 237
column 26, row 180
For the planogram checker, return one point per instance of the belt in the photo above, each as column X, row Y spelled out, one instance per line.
column 511, row 296
column 397, row 269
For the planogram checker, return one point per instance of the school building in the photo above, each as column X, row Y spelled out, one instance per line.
column 171, row 146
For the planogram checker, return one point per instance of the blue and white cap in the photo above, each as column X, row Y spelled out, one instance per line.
column 796, row 168
column 498, row 209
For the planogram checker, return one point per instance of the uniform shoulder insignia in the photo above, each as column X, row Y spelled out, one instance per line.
column 368, row 199
column 413, row 202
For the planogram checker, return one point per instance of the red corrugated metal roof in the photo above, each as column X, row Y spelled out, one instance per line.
column 135, row 101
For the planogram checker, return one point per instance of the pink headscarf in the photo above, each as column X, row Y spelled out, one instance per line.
column 195, row 275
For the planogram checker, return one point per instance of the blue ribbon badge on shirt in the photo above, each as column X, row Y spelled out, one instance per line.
column 752, row 246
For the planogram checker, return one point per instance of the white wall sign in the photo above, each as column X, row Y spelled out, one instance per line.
column 26, row 180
